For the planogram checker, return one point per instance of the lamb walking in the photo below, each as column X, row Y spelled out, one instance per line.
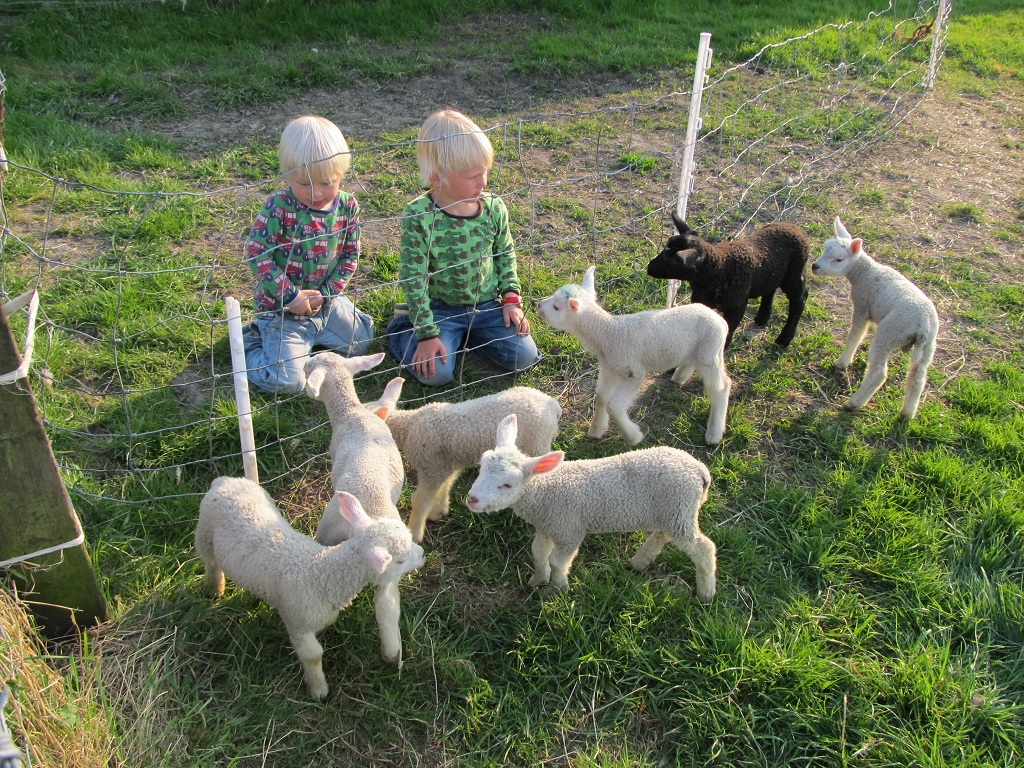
column 242, row 535
column 657, row 490
column 906, row 319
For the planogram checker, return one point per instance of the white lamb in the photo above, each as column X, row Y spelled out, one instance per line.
column 688, row 338
column 658, row 490
column 439, row 440
column 364, row 458
column 241, row 534
column 905, row 318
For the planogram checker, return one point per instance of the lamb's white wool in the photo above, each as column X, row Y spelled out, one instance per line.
column 690, row 339
column 905, row 318
column 242, row 535
column 658, row 490
column 439, row 440
column 364, row 458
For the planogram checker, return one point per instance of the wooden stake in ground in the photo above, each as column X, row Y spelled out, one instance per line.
column 36, row 514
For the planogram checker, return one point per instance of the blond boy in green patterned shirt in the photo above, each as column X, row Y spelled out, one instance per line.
column 457, row 265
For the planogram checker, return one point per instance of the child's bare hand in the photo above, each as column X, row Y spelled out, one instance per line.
column 424, row 358
column 515, row 318
column 307, row 302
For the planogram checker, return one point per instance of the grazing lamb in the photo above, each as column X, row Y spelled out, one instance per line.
column 364, row 458
column 628, row 347
column 725, row 276
column 241, row 534
column 439, row 440
column 658, row 490
column 905, row 318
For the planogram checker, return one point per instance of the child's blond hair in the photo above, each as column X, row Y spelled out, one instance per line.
column 314, row 147
column 450, row 141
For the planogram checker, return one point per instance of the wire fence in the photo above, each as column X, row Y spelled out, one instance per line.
column 131, row 275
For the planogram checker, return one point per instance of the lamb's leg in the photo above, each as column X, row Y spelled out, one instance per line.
column 874, row 376
column 444, row 496
column 917, row 377
column 388, row 606
column 541, row 547
column 764, row 311
column 605, row 386
column 649, row 551
column 618, row 408
column 561, row 562
column 858, row 329
column 703, row 553
column 682, row 374
column 213, row 575
column 419, row 510
column 797, row 303
column 733, row 317
column 311, row 654
column 717, row 385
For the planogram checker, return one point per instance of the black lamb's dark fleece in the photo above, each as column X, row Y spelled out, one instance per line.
column 725, row 276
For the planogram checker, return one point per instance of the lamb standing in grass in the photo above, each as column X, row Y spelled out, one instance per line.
column 439, row 440
column 364, row 458
column 628, row 347
column 905, row 318
column 658, row 490
column 725, row 276
column 241, row 534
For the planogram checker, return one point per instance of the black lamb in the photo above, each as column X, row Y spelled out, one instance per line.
column 725, row 276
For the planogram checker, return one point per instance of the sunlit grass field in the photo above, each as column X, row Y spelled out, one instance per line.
column 871, row 572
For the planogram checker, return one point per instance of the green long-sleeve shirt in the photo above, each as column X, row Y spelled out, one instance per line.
column 458, row 260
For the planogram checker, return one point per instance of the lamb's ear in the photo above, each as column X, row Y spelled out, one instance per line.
column 353, row 511
column 544, row 463
column 508, row 428
column 574, row 304
column 389, row 400
column 315, row 380
column 681, row 226
column 588, row 281
column 378, row 558
column 856, row 245
column 691, row 258
column 363, row 363
column 841, row 232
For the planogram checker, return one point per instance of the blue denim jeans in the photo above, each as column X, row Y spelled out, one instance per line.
column 277, row 345
column 481, row 329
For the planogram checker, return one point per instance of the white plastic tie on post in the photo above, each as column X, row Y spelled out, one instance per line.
column 32, row 299
column 79, row 539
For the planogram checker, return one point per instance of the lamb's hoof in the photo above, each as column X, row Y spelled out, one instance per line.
column 640, row 564
column 318, row 692
column 706, row 597
column 630, row 441
column 851, row 407
column 839, row 365
column 783, row 342
column 594, row 434
column 538, row 580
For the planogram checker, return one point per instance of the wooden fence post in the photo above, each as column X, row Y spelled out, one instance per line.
column 36, row 515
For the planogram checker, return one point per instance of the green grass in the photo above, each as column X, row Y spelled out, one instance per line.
column 871, row 572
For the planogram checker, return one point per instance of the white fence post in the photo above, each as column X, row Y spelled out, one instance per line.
column 245, row 432
column 693, row 124
column 938, row 37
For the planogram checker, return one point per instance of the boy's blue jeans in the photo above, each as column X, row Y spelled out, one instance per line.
column 481, row 328
column 277, row 346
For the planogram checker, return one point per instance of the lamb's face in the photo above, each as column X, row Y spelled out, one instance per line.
column 678, row 261
column 406, row 555
column 557, row 309
column 836, row 258
column 499, row 483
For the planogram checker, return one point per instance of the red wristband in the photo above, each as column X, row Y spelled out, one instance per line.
column 511, row 298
